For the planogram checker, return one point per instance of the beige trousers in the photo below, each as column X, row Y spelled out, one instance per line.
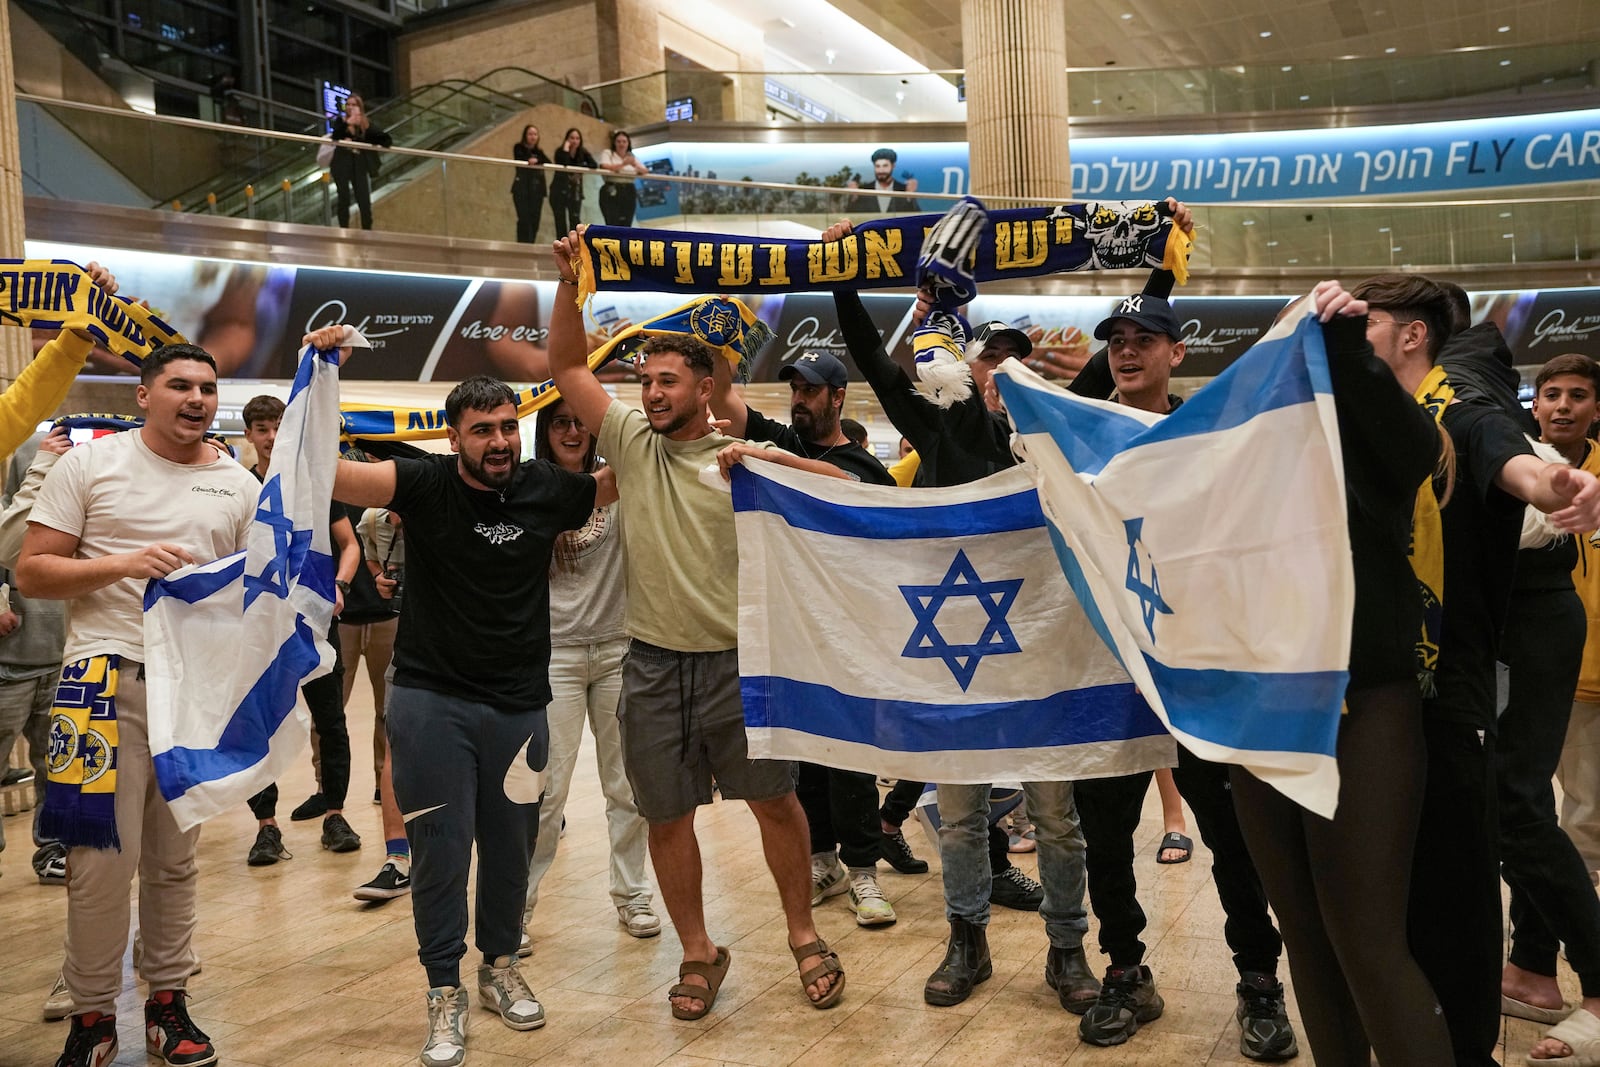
column 1579, row 775
column 99, row 879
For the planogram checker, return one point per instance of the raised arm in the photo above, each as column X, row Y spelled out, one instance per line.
column 726, row 403
column 568, row 346
column 366, row 485
column 730, row 455
column 43, row 384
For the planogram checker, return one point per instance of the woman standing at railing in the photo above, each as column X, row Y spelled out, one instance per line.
column 353, row 168
column 618, row 197
column 527, row 188
column 566, row 190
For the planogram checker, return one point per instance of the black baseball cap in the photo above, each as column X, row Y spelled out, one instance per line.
column 990, row 330
column 818, row 368
column 1150, row 312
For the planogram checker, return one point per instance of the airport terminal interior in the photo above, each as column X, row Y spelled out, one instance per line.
column 185, row 145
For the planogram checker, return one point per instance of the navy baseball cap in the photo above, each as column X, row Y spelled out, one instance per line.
column 818, row 368
column 1149, row 312
column 989, row 331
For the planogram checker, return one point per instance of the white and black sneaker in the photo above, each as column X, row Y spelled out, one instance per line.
column 447, row 1028
column 50, row 863
column 503, row 990
column 391, row 882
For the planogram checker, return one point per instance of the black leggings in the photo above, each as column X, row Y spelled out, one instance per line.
column 1340, row 889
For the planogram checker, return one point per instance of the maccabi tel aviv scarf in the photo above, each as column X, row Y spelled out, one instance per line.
column 1016, row 243
column 80, row 806
column 54, row 294
column 722, row 323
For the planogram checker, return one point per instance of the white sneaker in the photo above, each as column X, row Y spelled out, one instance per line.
column 828, row 877
column 639, row 919
column 447, row 1028
column 524, row 946
column 872, row 909
column 502, row 989
column 58, row 1005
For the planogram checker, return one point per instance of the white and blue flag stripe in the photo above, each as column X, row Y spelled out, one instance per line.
column 925, row 634
column 1210, row 551
column 229, row 643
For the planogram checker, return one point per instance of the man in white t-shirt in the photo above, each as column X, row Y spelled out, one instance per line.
column 111, row 515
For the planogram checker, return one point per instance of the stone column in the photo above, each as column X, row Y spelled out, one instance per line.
column 16, row 348
column 1015, row 54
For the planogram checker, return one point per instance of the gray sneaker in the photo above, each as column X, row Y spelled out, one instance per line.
column 640, row 920
column 58, row 1005
column 828, row 877
column 502, row 989
column 447, row 1028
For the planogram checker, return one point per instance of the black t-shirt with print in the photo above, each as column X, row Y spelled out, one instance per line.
column 848, row 457
column 1482, row 525
column 475, row 618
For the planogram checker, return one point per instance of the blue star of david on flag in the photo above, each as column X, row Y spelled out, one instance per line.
column 290, row 546
column 996, row 598
column 1148, row 591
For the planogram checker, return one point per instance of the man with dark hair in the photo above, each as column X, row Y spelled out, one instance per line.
column 1553, row 902
column 330, row 736
column 682, row 715
column 841, row 806
column 855, row 432
column 884, row 181
column 1469, row 550
column 468, row 737
column 111, row 515
column 1144, row 345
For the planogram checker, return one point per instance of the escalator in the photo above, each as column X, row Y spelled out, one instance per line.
column 282, row 181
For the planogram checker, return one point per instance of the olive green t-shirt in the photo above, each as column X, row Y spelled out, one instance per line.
column 683, row 560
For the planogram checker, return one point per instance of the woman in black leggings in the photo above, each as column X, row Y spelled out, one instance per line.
column 1340, row 887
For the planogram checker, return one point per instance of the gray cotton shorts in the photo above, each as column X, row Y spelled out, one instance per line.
column 683, row 728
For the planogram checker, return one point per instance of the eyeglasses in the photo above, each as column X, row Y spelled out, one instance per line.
column 563, row 423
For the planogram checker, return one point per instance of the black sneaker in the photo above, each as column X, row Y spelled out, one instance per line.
column 16, row 776
column 171, row 1036
column 315, row 806
column 1265, row 1032
column 337, row 836
column 898, row 854
column 92, row 1041
column 50, row 863
column 268, row 848
column 1128, row 998
column 1013, row 889
column 377, row 797
column 391, row 882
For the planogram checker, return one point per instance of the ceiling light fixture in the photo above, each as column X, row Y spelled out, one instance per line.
column 832, row 55
column 1127, row 14
column 1505, row 29
column 1265, row 34
column 1505, row 62
column 1389, row 51
column 1304, row 98
column 1286, row 69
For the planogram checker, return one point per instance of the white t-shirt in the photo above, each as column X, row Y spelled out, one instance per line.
column 608, row 158
column 115, row 495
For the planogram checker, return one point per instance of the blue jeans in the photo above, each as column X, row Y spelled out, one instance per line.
column 964, row 852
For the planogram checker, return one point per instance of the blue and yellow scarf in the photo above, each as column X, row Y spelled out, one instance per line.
column 1427, row 541
column 80, row 805
column 56, row 294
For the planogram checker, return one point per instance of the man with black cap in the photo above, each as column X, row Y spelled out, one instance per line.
column 1144, row 344
column 883, row 161
column 841, row 806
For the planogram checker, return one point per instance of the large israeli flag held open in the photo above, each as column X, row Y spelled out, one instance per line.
column 228, row 644
column 1210, row 549
column 925, row 634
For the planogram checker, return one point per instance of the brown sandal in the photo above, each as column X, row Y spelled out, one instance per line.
column 830, row 965
column 713, row 973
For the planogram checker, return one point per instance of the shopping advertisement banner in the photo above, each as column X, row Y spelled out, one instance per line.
column 1424, row 157
column 250, row 317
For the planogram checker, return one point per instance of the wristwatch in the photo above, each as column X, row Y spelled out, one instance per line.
column 344, row 586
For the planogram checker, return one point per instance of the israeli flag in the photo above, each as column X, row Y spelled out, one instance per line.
column 1210, row 550
column 925, row 634
column 228, row 644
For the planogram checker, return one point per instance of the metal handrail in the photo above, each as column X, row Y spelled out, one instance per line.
column 593, row 103
column 683, row 179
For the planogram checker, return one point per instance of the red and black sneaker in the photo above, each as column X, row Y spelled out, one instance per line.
column 92, row 1041
column 170, row 1034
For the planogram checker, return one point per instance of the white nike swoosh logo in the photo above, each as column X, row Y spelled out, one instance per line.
column 523, row 784
column 419, row 813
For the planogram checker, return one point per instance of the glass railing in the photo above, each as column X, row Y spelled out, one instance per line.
column 1483, row 74
column 449, row 195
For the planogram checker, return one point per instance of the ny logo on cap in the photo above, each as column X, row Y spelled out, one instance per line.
column 1133, row 304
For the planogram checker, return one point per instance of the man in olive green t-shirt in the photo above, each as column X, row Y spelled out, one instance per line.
column 681, row 714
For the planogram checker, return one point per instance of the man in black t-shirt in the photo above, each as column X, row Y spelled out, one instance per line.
column 1455, row 914
column 841, row 806
column 467, row 731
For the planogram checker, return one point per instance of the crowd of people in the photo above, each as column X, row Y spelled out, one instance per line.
column 597, row 583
